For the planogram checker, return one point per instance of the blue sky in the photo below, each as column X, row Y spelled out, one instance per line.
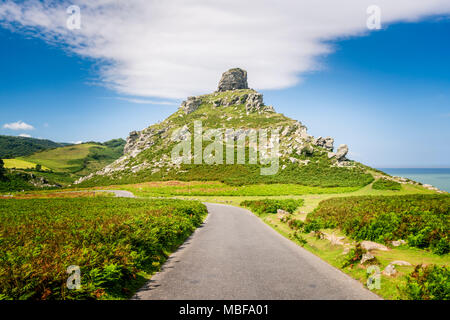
column 386, row 94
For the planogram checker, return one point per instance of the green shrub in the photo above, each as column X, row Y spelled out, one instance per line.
column 385, row 184
column 353, row 256
column 421, row 219
column 272, row 205
column 298, row 237
column 429, row 283
column 112, row 240
column 295, row 224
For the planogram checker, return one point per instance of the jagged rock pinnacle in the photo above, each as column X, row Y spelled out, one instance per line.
column 233, row 79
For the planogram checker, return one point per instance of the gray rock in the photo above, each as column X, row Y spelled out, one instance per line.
column 367, row 257
column 308, row 150
column 390, row 270
column 132, row 138
column 369, row 245
column 397, row 243
column 254, row 102
column 401, row 263
column 342, row 152
column 326, row 143
column 233, row 79
column 334, row 239
column 190, row 105
column 281, row 213
column 329, row 143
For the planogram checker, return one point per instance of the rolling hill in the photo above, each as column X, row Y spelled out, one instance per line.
column 13, row 147
column 61, row 165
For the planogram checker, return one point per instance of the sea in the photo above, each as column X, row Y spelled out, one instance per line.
column 437, row 177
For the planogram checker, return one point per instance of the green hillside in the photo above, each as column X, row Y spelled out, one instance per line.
column 62, row 165
column 79, row 159
column 304, row 162
column 13, row 147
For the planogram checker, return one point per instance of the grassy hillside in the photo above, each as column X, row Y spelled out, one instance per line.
column 13, row 147
column 61, row 165
column 77, row 159
column 301, row 162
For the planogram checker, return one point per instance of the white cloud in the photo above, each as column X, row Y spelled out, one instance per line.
column 24, row 135
column 178, row 48
column 19, row 125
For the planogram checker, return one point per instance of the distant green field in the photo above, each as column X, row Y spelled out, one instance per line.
column 61, row 165
column 21, row 164
column 65, row 159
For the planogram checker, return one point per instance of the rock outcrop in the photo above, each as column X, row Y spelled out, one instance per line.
column 342, row 152
column 326, row 143
column 233, row 79
column 190, row 105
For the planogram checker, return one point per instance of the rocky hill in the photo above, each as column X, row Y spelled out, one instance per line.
column 303, row 159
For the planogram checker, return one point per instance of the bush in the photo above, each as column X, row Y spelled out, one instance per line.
column 2, row 170
column 429, row 283
column 353, row 256
column 298, row 237
column 272, row 205
column 294, row 224
column 385, row 184
column 421, row 219
column 111, row 239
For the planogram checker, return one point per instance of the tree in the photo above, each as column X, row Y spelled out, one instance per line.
column 2, row 170
column 38, row 167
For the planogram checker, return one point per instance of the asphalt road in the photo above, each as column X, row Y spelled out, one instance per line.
column 234, row 255
column 120, row 193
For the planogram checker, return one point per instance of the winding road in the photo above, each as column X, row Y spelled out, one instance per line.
column 120, row 193
column 234, row 255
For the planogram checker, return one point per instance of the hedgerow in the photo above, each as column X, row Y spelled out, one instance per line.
column 111, row 240
column 423, row 220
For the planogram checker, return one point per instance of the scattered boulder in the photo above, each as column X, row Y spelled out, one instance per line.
column 342, row 152
column 369, row 245
column 308, row 150
column 367, row 257
column 397, row 243
column 390, row 270
column 335, row 240
column 401, row 263
column 233, row 79
column 190, row 105
column 281, row 213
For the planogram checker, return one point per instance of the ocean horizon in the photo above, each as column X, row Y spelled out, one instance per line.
column 437, row 177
